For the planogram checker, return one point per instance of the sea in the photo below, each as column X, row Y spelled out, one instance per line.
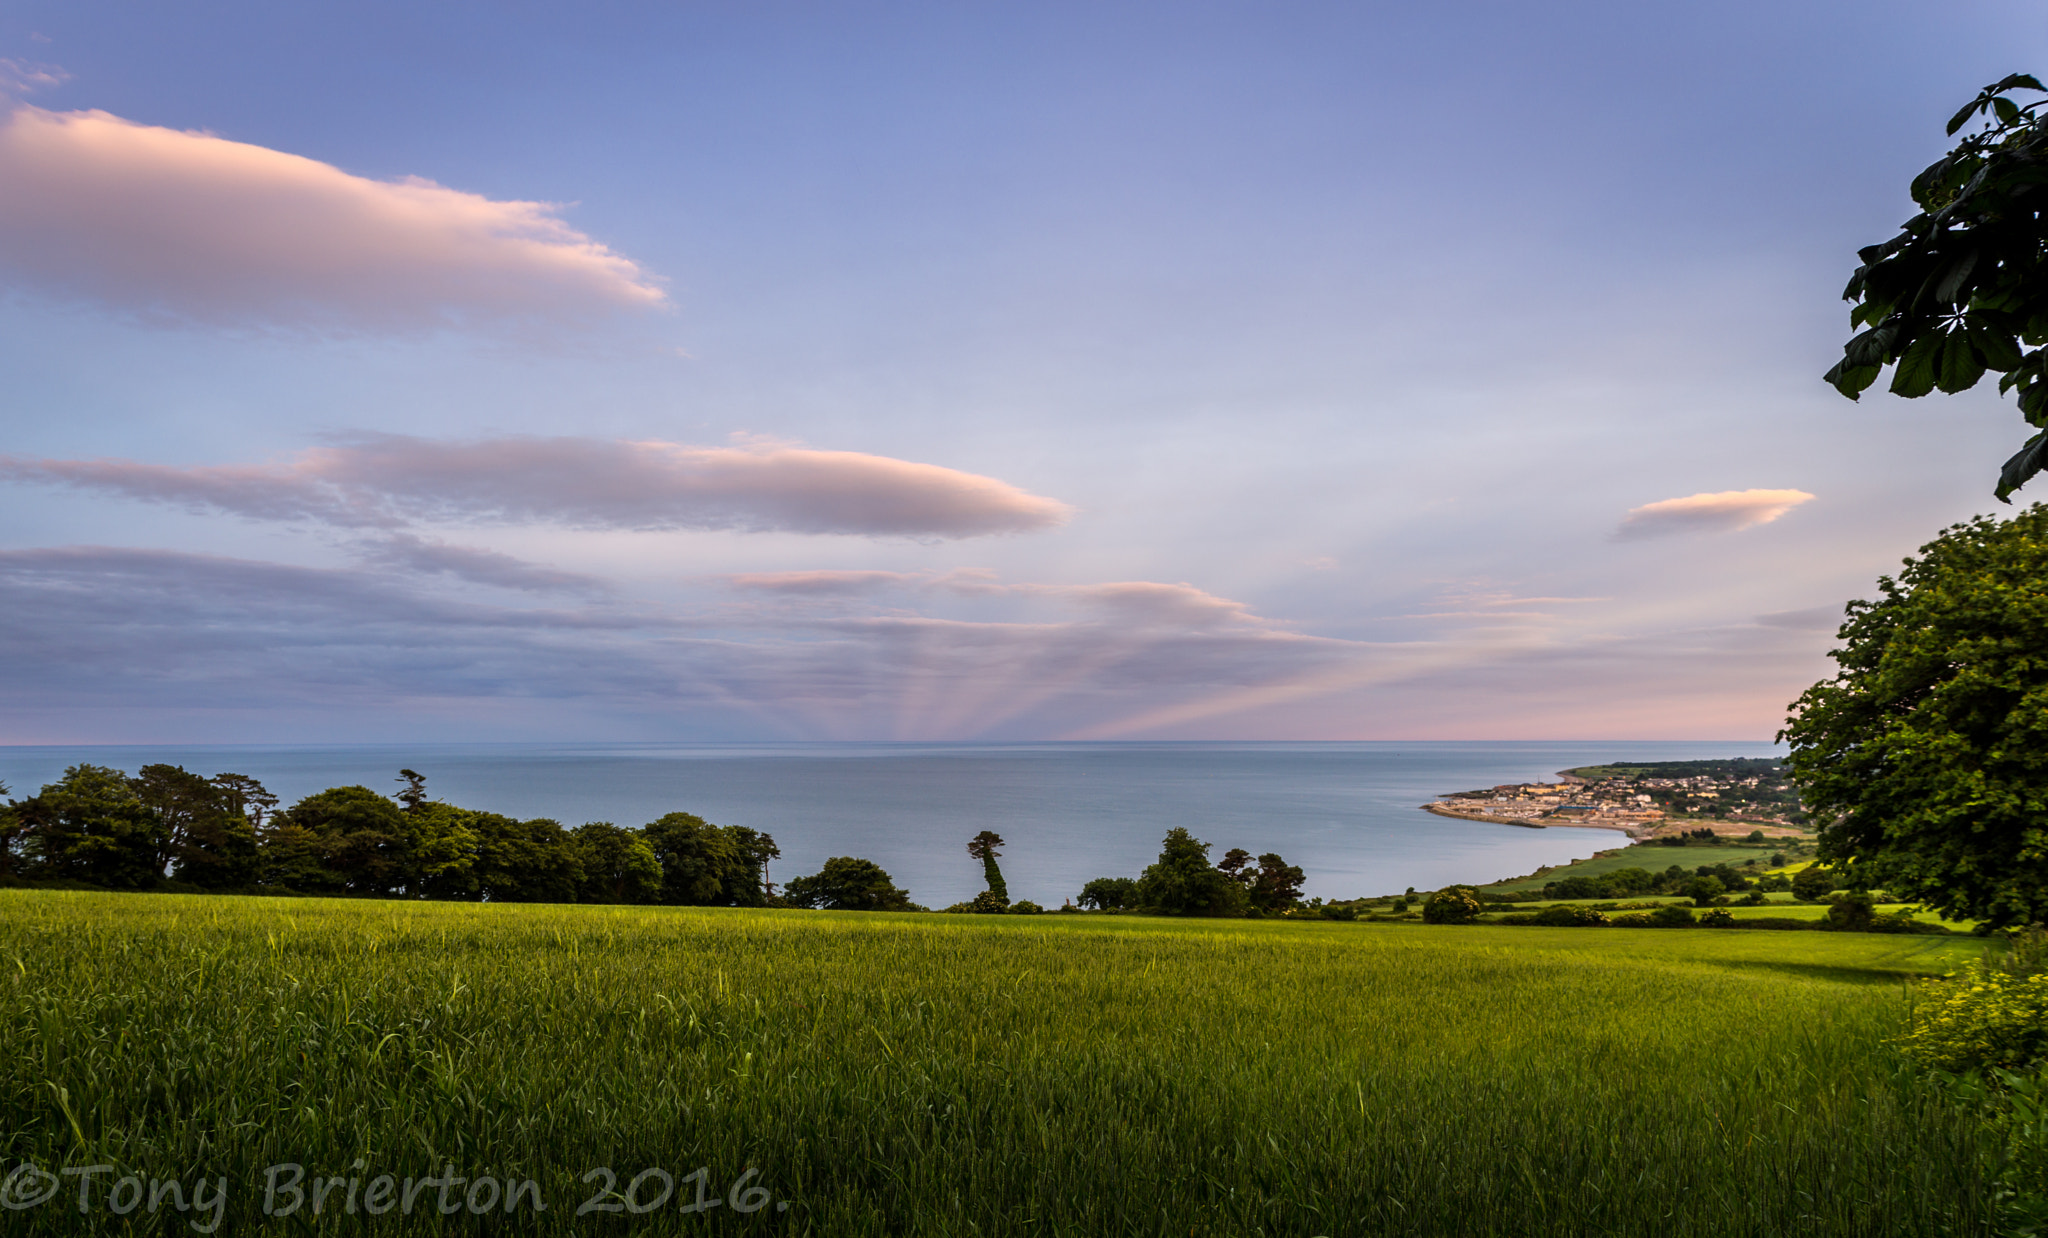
column 1347, row 813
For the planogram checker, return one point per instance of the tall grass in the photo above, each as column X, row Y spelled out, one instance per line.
column 967, row 1075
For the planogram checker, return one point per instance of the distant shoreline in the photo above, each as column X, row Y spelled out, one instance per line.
column 1629, row 830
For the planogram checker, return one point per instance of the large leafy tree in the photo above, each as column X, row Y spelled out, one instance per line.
column 848, row 883
column 618, row 865
column 1925, row 759
column 1182, row 882
column 698, row 859
column 1963, row 288
column 525, row 861
column 90, row 825
column 343, row 838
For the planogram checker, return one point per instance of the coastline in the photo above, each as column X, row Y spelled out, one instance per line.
column 1629, row 830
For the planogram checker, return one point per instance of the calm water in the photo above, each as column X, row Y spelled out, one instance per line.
column 1345, row 812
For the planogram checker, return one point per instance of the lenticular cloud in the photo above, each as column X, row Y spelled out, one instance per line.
column 189, row 227
column 390, row 481
column 1722, row 511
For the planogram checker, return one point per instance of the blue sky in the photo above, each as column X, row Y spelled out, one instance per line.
column 956, row 371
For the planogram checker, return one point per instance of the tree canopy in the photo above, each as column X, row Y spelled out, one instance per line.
column 848, row 883
column 169, row 828
column 1963, row 287
column 1183, row 882
column 1925, row 759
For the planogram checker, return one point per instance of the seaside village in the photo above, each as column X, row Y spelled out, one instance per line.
column 1638, row 805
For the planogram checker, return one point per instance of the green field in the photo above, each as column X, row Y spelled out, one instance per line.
column 1651, row 856
column 908, row 1074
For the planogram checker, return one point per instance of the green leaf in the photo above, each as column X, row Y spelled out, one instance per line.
column 1851, row 380
column 1915, row 374
column 1950, row 287
column 2019, row 470
column 1999, row 349
column 1960, row 366
column 2007, row 110
column 1872, row 347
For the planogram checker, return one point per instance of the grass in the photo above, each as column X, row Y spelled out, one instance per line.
column 964, row 1075
column 1651, row 856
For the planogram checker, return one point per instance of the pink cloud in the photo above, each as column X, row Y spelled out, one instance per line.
column 1723, row 511
column 391, row 480
column 185, row 226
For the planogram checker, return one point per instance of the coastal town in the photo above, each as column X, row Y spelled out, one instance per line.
column 1643, row 800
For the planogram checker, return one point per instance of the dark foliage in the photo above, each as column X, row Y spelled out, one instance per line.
column 846, row 883
column 1182, row 882
column 1963, row 288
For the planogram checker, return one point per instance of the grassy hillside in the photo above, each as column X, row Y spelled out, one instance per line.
column 948, row 1075
column 1650, row 857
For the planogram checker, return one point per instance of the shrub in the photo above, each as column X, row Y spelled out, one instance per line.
column 1671, row 915
column 1454, row 905
column 1985, row 1017
column 1719, row 917
column 1569, row 917
column 1025, row 907
column 1703, row 890
column 1852, row 913
column 1332, row 911
column 1755, row 898
column 1812, row 883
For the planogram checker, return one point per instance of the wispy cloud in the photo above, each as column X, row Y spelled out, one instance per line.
column 427, row 557
column 94, row 628
column 182, row 226
column 390, row 481
column 20, row 77
column 1723, row 511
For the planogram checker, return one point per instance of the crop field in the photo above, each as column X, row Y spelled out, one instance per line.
column 447, row 1068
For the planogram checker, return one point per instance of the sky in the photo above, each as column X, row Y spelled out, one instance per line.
column 966, row 371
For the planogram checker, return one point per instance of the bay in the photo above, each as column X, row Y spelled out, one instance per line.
column 1347, row 813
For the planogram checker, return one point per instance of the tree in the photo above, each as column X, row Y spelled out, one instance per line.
column 415, row 793
column 440, row 849
column 357, row 839
column 1703, row 890
column 1183, row 882
column 525, row 861
column 1925, row 759
column 1812, row 883
column 1963, row 287
column 1275, row 885
column 748, row 885
column 91, row 826
column 13, row 839
column 847, row 883
column 223, row 851
column 1453, row 905
column 1109, row 894
column 698, row 859
column 983, row 847
column 618, row 865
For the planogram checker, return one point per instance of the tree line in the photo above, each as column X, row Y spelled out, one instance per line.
column 168, row 828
